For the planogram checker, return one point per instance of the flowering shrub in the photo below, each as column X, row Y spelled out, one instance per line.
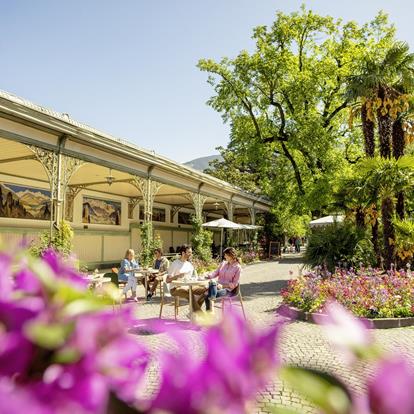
column 59, row 344
column 204, row 266
column 250, row 256
column 370, row 293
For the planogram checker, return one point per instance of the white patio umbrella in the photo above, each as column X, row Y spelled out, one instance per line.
column 223, row 224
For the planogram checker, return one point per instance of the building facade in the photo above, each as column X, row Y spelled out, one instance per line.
column 54, row 168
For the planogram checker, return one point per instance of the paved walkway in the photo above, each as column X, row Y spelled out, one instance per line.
column 302, row 343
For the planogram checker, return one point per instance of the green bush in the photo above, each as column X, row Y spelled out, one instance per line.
column 339, row 242
column 60, row 241
column 148, row 243
column 201, row 240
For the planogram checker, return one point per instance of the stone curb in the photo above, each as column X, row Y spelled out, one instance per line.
column 379, row 323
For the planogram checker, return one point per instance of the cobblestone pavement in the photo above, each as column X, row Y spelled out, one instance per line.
column 302, row 343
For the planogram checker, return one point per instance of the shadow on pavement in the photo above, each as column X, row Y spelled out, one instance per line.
column 256, row 289
column 154, row 326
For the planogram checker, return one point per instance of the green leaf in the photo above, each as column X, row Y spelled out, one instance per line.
column 49, row 336
column 321, row 389
column 67, row 356
column 81, row 306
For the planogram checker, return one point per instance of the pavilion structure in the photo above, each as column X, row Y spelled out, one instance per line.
column 54, row 168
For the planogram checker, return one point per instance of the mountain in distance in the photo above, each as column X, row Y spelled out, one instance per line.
column 202, row 163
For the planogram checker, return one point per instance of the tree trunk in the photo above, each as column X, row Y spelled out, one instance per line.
column 368, row 129
column 398, row 147
column 398, row 139
column 387, row 210
column 400, row 208
column 385, row 134
column 360, row 218
column 375, row 242
column 384, row 127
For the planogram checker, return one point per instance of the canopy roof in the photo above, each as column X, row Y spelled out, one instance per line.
column 323, row 221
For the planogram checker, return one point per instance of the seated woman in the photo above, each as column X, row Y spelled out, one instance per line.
column 126, row 273
column 228, row 274
column 161, row 263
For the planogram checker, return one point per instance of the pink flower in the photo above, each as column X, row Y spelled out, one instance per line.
column 347, row 333
column 238, row 362
column 391, row 390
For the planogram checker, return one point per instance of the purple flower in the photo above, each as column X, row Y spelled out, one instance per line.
column 17, row 400
column 238, row 362
column 62, row 269
column 391, row 389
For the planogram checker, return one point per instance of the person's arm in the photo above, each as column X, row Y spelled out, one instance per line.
column 171, row 273
column 216, row 273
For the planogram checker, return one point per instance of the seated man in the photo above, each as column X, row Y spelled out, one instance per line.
column 183, row 268
column 162, row 264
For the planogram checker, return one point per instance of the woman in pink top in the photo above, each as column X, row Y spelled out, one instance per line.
column 228, row 274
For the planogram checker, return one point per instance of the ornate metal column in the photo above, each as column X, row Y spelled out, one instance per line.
column 69, row 167
column 59, row 169
column 252, row 212
column 132, row 203
column 149, row 189
column 229, row 207
column 198, row 200
column 70, row 196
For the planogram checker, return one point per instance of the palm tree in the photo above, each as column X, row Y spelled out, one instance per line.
column 382, row 85
column 386, row 177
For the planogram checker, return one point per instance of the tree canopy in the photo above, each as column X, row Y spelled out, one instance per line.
column 287, row 104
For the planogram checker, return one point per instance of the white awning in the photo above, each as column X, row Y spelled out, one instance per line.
column 323, row 221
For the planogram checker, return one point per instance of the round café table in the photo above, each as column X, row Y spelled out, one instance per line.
column 190, row 283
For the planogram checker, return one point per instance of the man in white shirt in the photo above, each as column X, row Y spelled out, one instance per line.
column 182, row 268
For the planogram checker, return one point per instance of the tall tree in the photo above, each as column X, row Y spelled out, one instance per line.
column 285, row 102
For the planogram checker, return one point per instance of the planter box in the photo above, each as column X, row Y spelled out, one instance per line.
column 378, row 323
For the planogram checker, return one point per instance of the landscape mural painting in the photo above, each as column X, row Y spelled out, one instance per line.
column 99, row 211
column 19, row 201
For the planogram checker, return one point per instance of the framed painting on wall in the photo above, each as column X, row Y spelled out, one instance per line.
column 100, row 211
column 24, row 202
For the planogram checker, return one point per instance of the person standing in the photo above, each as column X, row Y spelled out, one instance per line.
column 127, row 273
column 297, row 244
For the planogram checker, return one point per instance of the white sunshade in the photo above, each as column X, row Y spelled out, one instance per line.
column 223, row 224
column 326, row 220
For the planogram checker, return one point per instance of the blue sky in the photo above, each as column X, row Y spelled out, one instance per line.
column 128, row 67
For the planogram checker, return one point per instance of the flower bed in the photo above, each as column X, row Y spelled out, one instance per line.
column 368, row 294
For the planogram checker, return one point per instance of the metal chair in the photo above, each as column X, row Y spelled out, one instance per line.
column 236, row 294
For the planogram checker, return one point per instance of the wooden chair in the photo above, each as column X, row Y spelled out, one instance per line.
column 175, row 301
column 236, row 294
